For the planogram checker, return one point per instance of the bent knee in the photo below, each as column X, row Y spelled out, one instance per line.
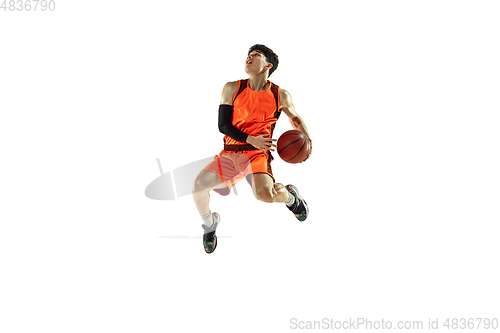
column 264, row 194
column 204, row 181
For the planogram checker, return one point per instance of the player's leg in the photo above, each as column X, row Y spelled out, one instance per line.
column 203, row 184
column 266, row 190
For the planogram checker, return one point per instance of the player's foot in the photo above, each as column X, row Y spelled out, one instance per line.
column 299, row 207
column 209, row 237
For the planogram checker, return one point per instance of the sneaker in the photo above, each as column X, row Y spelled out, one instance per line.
column 299, row 207
column 209, row 237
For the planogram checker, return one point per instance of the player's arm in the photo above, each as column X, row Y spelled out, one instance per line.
column 226, row 113
column 226, row 121
column 295, row 120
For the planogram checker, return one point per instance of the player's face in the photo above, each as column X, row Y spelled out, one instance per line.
column 255, row 62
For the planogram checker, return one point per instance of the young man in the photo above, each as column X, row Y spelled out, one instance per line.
column 248, row 112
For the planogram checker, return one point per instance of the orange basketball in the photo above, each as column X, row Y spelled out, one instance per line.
column 293, row 146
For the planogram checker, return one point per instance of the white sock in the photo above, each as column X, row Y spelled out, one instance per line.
column 291, row 199
column 208, row 219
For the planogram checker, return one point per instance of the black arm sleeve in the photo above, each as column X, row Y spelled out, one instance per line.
column 226, row 123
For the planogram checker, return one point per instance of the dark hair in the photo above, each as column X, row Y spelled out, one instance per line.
column 271, row 57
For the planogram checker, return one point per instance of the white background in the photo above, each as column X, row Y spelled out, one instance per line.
column 401, row 101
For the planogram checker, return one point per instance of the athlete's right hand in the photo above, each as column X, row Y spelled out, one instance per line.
column 262, row 142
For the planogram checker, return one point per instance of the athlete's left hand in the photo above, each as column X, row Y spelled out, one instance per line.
column 262, row 142
column 310, row 150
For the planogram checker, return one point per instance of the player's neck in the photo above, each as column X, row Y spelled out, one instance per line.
column 258, row 82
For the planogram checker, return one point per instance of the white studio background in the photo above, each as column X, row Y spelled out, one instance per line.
column 401, row 101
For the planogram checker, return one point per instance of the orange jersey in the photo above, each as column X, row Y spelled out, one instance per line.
column 255, row 112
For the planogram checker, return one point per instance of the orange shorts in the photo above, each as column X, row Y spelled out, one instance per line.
column 233, row 166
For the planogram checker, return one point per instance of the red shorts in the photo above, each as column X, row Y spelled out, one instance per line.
column 233, row 166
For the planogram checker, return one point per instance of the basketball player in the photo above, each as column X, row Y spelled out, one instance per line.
column 248, row 113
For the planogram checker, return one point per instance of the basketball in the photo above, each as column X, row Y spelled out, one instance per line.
column 293, row 146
